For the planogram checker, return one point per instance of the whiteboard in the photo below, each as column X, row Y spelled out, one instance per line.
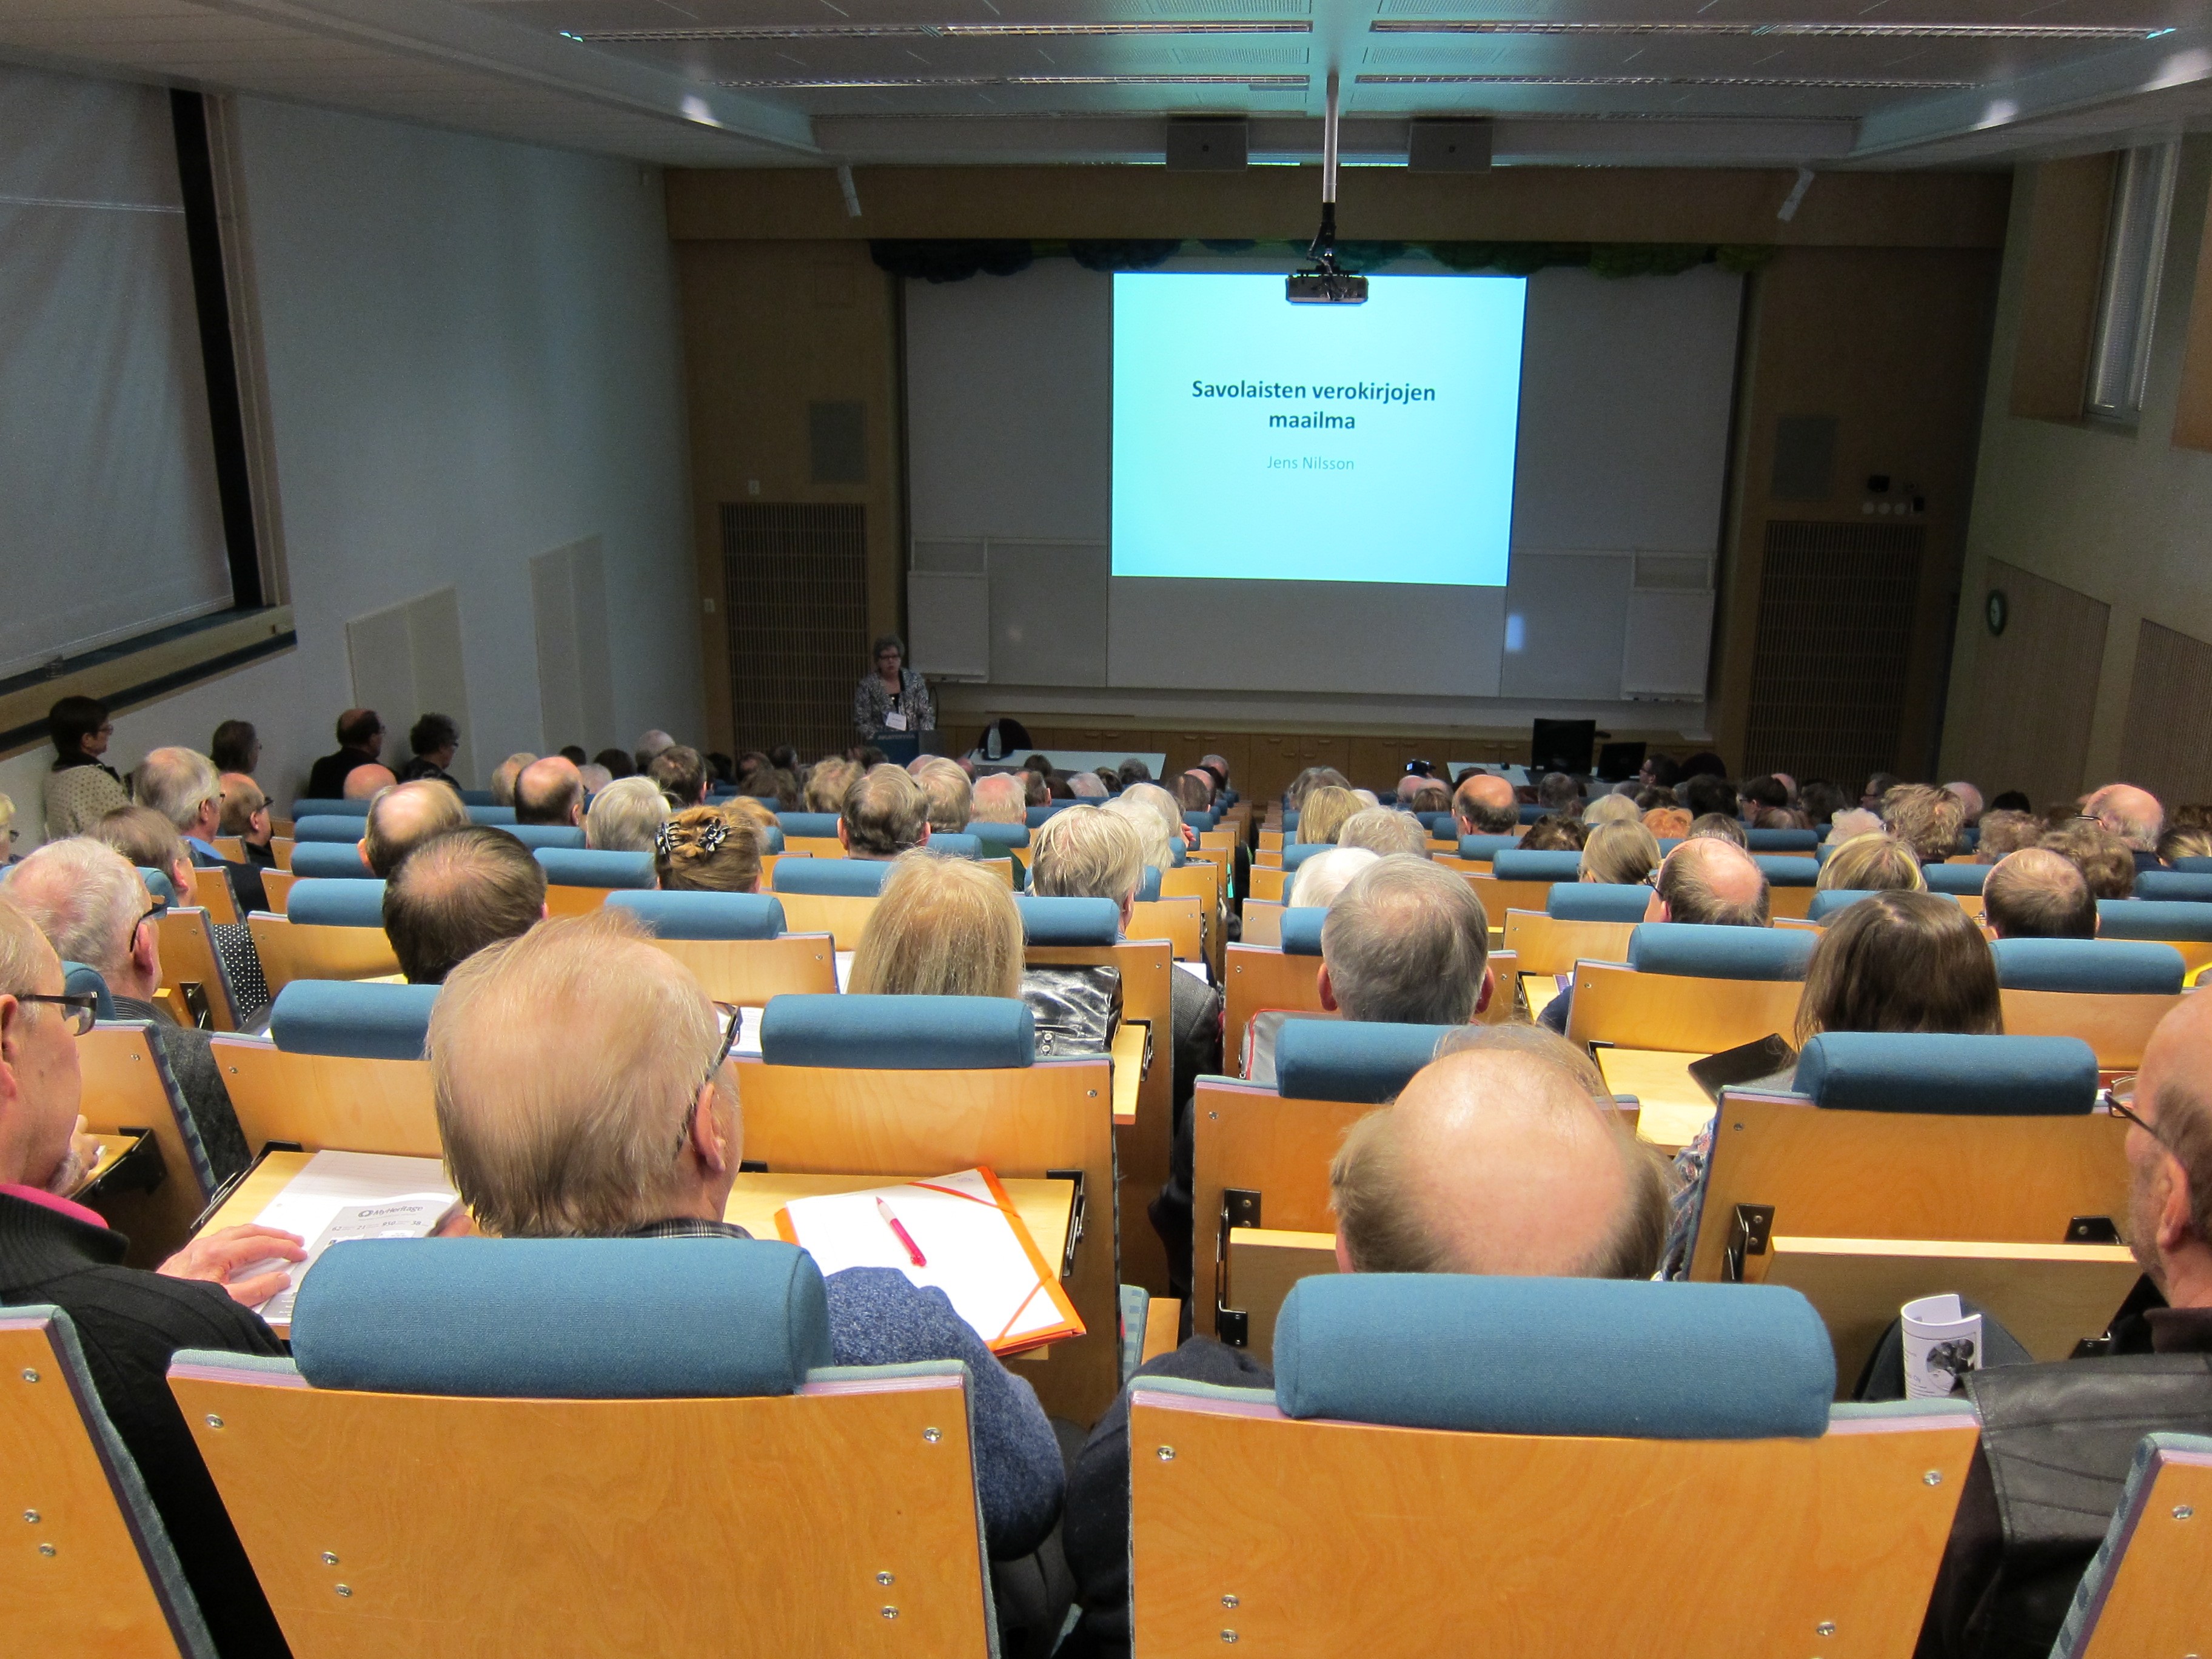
column 948, row 624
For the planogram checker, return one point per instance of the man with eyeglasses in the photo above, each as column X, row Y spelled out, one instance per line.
column 2057, row 1439
column 94, row 907
column 129, row 1321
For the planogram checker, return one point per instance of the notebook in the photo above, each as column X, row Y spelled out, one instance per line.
column 345, row 1195
column 974, row 1247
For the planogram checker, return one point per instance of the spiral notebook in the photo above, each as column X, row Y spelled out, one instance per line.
column 972, row 1242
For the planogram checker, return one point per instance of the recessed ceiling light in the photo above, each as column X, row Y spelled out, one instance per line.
column 1820, row 31
column 936, row 31
column 824, row 83
column 1832, row 83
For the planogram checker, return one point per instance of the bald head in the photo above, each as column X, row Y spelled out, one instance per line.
column 401, row 818
column 1498, row 1160
column 1709, row 880
column 2170, row 1165
column 2132, row 814
column 363, row 781
column 2036, row 893
column 549, row 791
column 1486, row 806
column 1969, row 797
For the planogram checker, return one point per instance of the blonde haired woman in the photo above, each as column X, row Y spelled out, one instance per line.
column 944, row 927
column 704, row 850
column 1325, row 813
column 1623, row 853
column 1874, row 863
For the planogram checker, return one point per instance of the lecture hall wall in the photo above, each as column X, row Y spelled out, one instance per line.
column 1876, row 311
column 2099, row 537
column 472, row 357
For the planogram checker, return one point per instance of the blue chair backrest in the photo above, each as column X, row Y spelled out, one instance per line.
column 159, row 885
column 837, row 877
column 1201, row 820
column 2107, row 967
column 582, row 866
column 898, row 1033
column 562, row 1318
column 499, row 817
column 1586, row 1357
column 316, row 807
column 956, row 847
column 1830, row 900
column 1349, row 1060
column 535, row 836
column 997, row 834
column 1290, row 819
column 355, row 1019
column 808, row 824
column 2192, row 866
column 1037, row 815
column 2154, row 919
column 1298, row 851
column 1533, row 811
column 477, row 797
column 1784, row 872
column 1068, row 921
column 1148, row 885
column 2186, row 886
column 1438, row 823
column 328, row 827
column 354, row 902
column 1782, row 840
column 1486, row 846
column 329, row 860
column 771, row 838
column 1938, row 1072
column 702, row 915
column 79, row 980
column 1513, row 865
column 1955, row 878
column 1597, row 901
column 1302, row 926
column 1702, row 952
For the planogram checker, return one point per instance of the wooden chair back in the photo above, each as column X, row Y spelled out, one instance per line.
column 1263, row 923
column 562, row 901
column 1500, row 896
column 316, row 1102
column 2117, row 1027
column 820, row 847
column 231, row 848
column 277, row 888
column 1254, row 977
column 840, row 1519
column 189, row 958
column 1268, row 881
column 1632, row 1009
column 280, row 848
column 1027, row 1121
column 1546, row 944
column 1181, row 921
column 746, row 972
column 843, row 916
column 1328, row 1537
column 2154, row 1593
column 126, row 1089
column 82, row 1573
column 291, row 950
column 211, row 892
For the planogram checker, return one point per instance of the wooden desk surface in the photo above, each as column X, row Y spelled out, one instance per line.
column 106, row 1150
column 1674, row 1108
column 1130, row 1065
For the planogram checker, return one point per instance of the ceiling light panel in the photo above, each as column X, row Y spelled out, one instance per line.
column 834, row 32
column 2057, row 33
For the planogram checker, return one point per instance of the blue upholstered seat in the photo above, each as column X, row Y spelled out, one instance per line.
column 1290, row 819
column 1668, row 843
column 1513, row 865
column 1830, row 900
column 356, row 1019
column 1486, row 846
column 562, row 1318
column 329, row 827
column 702, row 915
column 1783, row 841
column 1297, row 853
column 580, row 867
column 1592, row 1356
column 771, row 838
column 1702, row 952
column 2174, row 919
column 1037, row 815
column 535, row 836
column 476, row 797
column 357, row 901
column 1439, row 824
column 1531, row 812
column 1148, row 885
column 312, row 807
column 956, row 847
column 837, row 877
column 1201, row 820
column 1955, row 878
column 159, row 884
column 1068, row 921
column 817, row 824
column 2108, row 967
column 1301, row 929
column 1597, row 901
column 1781, row 871
column 1349, row 1060
column 2184, row 886
column 79, row 980
column 498, row 816
column 891, row 1033
column 1938, row 1072
column 2194, row 866
column 328, row 861
column 997, row 834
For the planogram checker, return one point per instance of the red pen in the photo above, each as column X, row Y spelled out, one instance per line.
column 913, row 1249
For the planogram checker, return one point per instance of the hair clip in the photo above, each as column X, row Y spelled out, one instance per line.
column 663, row 842
column 711, row 835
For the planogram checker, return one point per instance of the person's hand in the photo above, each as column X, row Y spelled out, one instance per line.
column 217, row 1257
column 459, row 1224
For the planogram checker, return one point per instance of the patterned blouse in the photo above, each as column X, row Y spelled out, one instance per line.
column 870, row 702
column 79, row 795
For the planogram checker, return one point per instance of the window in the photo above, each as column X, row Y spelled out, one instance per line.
column 2135, row 248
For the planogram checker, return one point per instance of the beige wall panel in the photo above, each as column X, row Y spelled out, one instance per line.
column 2028, row 726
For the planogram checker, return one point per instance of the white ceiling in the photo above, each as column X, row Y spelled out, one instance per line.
column 1886, row 83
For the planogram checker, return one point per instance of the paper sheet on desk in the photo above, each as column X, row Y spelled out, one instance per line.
column 355, row 1195
column 1197, row 971
column 975, row 1246
column 844, row 967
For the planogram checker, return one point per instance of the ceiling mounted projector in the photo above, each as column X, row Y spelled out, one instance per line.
column 1322, row 283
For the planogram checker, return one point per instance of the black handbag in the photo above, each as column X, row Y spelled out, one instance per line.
column 1077, row 1010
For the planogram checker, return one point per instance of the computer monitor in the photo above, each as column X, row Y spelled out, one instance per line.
column 1618, row 761
column 1562, row 746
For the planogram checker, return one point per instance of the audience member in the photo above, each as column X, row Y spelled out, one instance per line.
column 566, row 1065
column 403, row 817
column 2132, row 814
column 1876, row 786
column 708, row 849
column 1768, row 792
column 245, row 817
column 1194, row 791
column 1925, row 819
column 944, row 927
column 1667, row 822
column 183, row 787
column 885, row 814
column 505, row 774
column 1406, row 943
column 81, row 789
column 1659, row 772
column 596, row 777
column 1431, row 796
column 574, row 754
column 1484, row 805
column 618, row 763
column 1152, row 799
column 626, row 816
column 128, row 1321
column 1495, row 1159
column 950, row 795
column 1708, row 795
column 456, row 894
column 364, row 782
column 1621, row 852
column 1901, row 962
column 1554, row 832
column 681, row 772
column 2011, row 800
column 2005, row 832
column 360, row 742
column 834, row 774
column 1969, row 797
column 1087, row 786
column 94, row 907
column 1854, row 822
column 235, row 747
column 549, row 791
column 1315, row 885
column 1558, row 793
column 652, row 742
column 148, row 842
column 1610, row 809
column 1384, row 829
column 2184, row 840
column 2035, row 893
column 432, row 743
column 1131, row 770
column 1036, row 790
column 1821, row 800
column 1875, row 863
column 2105, row 861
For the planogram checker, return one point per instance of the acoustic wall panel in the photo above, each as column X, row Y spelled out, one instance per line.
column 576, row 683
column 406, row 662
column 794, row 590
column 2035, row 686
column 2167, row 746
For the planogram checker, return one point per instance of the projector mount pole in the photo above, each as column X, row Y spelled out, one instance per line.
column 1323, row 282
